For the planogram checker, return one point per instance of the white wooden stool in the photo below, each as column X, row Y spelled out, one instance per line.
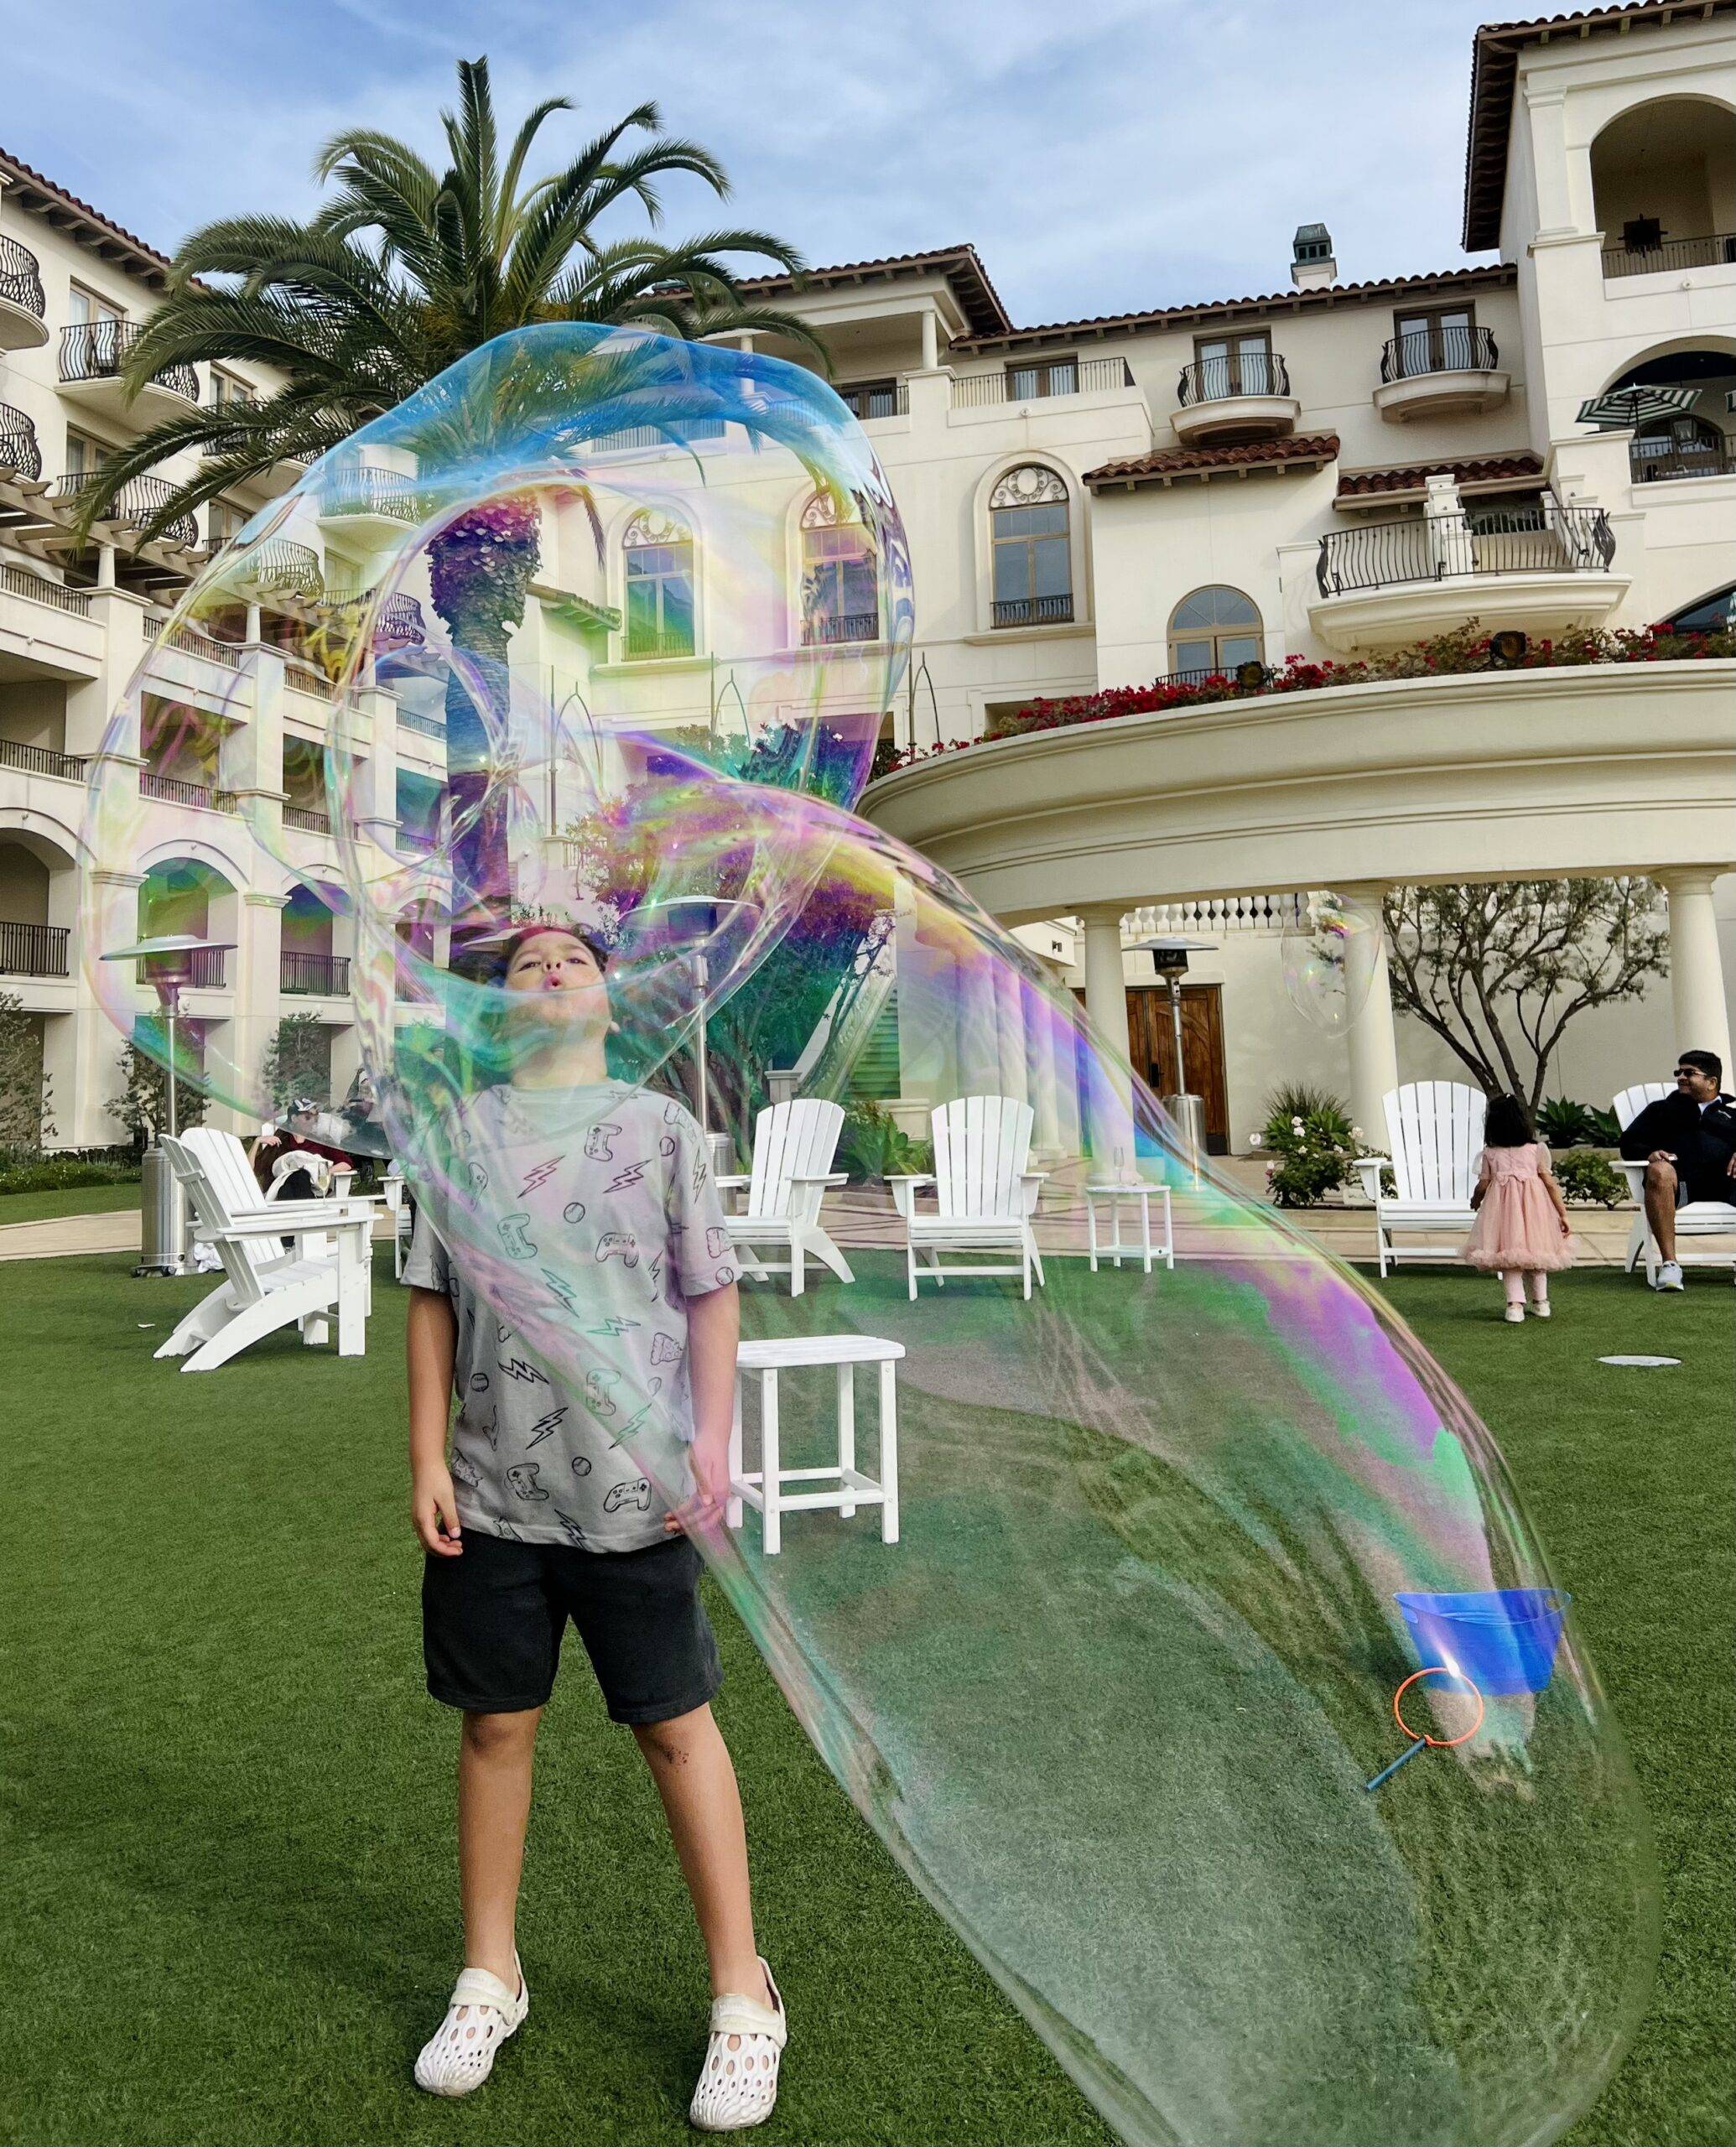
column 1115, row 1191
column 846, row 1486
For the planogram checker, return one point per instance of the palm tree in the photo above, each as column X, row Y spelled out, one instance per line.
column 400, row 274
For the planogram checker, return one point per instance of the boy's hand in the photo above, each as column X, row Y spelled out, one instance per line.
column 433, row 1508
column 701, row 1513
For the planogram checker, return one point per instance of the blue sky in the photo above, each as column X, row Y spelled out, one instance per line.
column 1102, row 156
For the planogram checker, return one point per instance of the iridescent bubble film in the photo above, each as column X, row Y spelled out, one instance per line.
column 1329, row 954
column 633, row 615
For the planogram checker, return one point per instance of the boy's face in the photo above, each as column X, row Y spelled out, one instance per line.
column 563, row 972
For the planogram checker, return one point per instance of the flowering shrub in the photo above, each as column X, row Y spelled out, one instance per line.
column 1463, row 651
column 1308, row 1154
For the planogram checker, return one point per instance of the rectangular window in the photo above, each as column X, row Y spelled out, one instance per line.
column 1233, row 365
column 870, row 398
column 1048, row 376
column 226, row 388
column 1433, row 339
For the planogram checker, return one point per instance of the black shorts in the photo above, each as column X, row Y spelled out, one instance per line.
column 492, row 1621
column 1706, row 1185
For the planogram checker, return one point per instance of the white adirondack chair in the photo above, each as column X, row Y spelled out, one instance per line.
column 1697, row 1219
column 985, row 1192
column 263, row 1287
column 794, row 1145
column 1434, row 1129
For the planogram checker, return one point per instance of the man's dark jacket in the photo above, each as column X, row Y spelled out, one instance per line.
column 1702, row 1142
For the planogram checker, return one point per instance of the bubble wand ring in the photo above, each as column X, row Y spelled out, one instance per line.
column 1420, row 1739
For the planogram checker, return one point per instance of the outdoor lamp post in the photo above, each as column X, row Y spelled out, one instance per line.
column 1169, row 958
column 168, row 962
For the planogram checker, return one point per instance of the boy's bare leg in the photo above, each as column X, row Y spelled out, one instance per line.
column 690, row 1764
column 1660, row 1206
column 495, row 1755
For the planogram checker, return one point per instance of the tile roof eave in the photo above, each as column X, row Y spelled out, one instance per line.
column 1487, row 275
column 35, row 192
column 1405, row 481
column 1495, row 48
column 1163, row 466
column 960, row 265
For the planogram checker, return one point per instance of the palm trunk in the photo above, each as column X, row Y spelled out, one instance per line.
column 482, row 566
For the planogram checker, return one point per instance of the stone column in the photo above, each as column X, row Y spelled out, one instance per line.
column 258, row 1000
column 1111, row 1088
column 1372, row 1035
column 1696, row 975
column 930, row 339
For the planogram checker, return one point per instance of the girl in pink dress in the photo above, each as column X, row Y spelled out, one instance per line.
column 1522, row 1232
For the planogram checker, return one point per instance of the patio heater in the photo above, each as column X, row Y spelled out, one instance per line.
column 1169, row 958
column 162, row 1214
column 699, row 917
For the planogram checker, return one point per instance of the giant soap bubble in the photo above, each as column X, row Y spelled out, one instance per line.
column 1329, row 952
column 1114, row 1698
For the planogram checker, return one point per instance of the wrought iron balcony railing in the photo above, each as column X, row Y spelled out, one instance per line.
column 642, row 642
column 1657, row 461
column 309, row 818
column 372, row 491
column 826, row 629
column 1440, row 348
column 19, row 451
column 41, row 760
column 175, row 790
column 424, row 726
column 1708, row 252
column 1033, row 610
column 1037, row 383
column 33, row 950
column 326, row 976
column 191, row 642
column 132, row 506
column 98, row 350
column 399, row 624
column 1240, row 373
column 39, row 589
column 21, row 278
column 1527, row 539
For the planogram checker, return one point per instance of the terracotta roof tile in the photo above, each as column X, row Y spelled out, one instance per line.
column 1407, row 478
column 1494, row 68
column 1490, row 275
column 1309, row 452
column 24, row 180
column 961, row 265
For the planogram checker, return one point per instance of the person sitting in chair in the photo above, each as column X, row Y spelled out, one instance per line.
column 1687, row 1142
column 298, row 1139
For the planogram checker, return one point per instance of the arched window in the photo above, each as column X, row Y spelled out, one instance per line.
column 1712, row 614
column 1214, row 629
column 1031, row 549
column 1682, row 446
column 840, row 575
column 659, row 584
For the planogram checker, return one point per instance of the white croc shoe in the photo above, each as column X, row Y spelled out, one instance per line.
column 738, row 2082
column 460, row 2055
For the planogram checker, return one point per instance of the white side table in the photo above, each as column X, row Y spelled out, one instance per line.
column 1115, row 1193
column 844, row 1486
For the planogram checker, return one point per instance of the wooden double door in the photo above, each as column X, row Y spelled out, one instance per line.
column 1151, row 1050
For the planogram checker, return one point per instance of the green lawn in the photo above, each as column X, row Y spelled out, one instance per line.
column 68, row 1200
column 231, row 1904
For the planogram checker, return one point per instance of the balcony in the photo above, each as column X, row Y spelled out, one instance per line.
column 1669, row 253
column 309, row 818
column 1040, row 382
column 645, row 645
column 1033, row 610
column 1231, row 400
column 375, row 506
column 1664, row 460
column 424, row 726
column 1442, row 371
column 41, row 760
column 33, row 950
column 132, row 507
column 399, row 624
column 177, row 790
column 420, row 841
column 93, row 357
column 38, row 588
column 830, row 629
column 190, row 642
column 20, row 456
column 323, row 976
column 23, row 307
column 204, row 970
column 280, row 566
column 1542, row 568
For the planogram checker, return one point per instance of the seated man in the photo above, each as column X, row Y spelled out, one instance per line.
column 1687, row 1142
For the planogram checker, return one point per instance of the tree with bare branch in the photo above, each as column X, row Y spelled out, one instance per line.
column 1498, row 970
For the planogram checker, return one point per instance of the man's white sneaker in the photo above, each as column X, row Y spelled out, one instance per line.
column 1670, row 1275
column 460, row 2055
column 738, row 2082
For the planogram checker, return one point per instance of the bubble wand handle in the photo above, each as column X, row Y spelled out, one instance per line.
column 1387, row 1773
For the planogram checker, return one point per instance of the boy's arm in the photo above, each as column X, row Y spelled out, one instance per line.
column 431, row 1345
column 714, row 1328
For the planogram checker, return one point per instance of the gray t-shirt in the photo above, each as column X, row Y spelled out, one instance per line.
column 594, row 1210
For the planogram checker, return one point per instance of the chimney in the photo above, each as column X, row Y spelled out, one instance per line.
column 1311, row 267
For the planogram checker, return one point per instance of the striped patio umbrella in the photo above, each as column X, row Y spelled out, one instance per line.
column 1622, row 407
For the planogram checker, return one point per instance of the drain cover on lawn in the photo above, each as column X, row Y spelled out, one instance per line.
column 1647, row 1363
